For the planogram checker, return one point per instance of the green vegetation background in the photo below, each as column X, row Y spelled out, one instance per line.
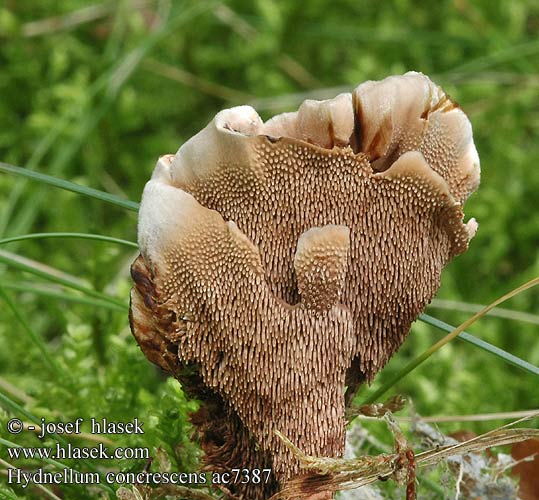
column 95, row 92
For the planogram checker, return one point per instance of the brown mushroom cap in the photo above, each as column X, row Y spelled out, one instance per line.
column 279, row 257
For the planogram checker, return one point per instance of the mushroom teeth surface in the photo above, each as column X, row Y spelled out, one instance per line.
column 283, row 261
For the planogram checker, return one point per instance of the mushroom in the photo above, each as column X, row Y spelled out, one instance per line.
column 285, row 261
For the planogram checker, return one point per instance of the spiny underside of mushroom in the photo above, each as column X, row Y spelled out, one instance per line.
column 282, row 262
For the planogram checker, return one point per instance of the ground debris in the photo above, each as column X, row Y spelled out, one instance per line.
column 476, row 474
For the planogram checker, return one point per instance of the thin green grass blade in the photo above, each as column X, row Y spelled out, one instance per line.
column 397, row 36
column 70, row 117
column 84, row 236
column 15, row 391
column 60, row 160
column 498, row 312
column 58, row 294
column 40, row 487
column 15, row 408
column 33, row 336
column 4, row 259
column 51, row 461
column 486, row 346
column 69, row 186
column 431, row 350
column 22, row 217
column 109, row 85
column 102, row 483
column 511, row 53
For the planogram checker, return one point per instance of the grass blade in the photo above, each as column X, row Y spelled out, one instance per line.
column 33, row 336
column 483, row 417
column 108, row 85
column 101, row 484
column 59, row 294
column 431, row 350
column 38, row 486
column 59, row 161
column 5, row 259
column 69, row 186
column 498, row 312
column 486, row 346
column 18, row 409
column 51, row 461
column 15, row 391
column 510, row 53
column 84, row 236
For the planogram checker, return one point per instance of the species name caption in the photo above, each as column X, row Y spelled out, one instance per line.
column 103, row 427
